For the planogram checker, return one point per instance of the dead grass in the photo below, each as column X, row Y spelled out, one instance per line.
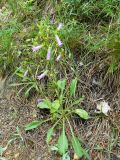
column 100, row 134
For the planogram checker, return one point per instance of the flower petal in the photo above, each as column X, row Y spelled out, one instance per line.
column 49, row 53
column 41, row 76
column 36, row 48
column 58, row 41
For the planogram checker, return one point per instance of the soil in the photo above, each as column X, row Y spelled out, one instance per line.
column 25, row 146
column 100, row 134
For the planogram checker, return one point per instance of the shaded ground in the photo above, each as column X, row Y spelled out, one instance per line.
column 29, row 146
column 100, row 134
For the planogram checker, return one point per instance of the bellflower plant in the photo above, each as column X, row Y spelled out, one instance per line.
column 41, row 76
column 49, row 53
column 58, row 41
column 36, row 48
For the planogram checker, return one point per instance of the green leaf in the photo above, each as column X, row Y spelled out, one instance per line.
column 28, row 90
column 77, row 147
column 66, row 157
column 61, row 84
column 62, row 143
column 49, row 135
column 73, row 86
column 54, row 148
column 82, row 113
column 44, row 105
column 78, row 101
column 55, row 106
column 32, row 125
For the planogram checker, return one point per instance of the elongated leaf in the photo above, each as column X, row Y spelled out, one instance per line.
column 44, row 105
column 28, row 90
column 61, row 84
column 76, row 146
column 78, row 101
column 54, row 148
column 82, row 113
column 49, row 135
column 62, row 143
column 73, row 86
column 33, row 125
column 55, row 106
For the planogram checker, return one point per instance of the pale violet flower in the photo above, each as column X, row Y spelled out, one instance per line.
column 25, row 73
column 58, row 41
column 36, row 48
column 59, row 26
column 49, row 53
column 41, row 76
column 58, row 58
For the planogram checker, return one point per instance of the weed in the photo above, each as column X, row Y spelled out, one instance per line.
column 61, row 110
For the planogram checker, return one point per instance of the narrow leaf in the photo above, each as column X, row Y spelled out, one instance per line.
column 77, row 147
column 55, row 106
column 28, row 90
column 54, row 148
column 33, row 125
column 73, row 86
column 44, row 105
column 62, row 143
column 78, row 101
column 49, row 135
column 82, row 113
column 61, row 84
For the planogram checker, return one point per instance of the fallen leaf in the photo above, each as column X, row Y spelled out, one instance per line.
column 76, row 157
column 16, row 155
column 103, row 107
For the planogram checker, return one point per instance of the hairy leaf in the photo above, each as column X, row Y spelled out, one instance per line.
column 49, row 135
column 61, row 84
column 76, row 146
column 33, row 124
column 55, row 106
column 62, row 143
column 73, row 86
column 82, row 113
column 78, row 101
column 44, row 105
